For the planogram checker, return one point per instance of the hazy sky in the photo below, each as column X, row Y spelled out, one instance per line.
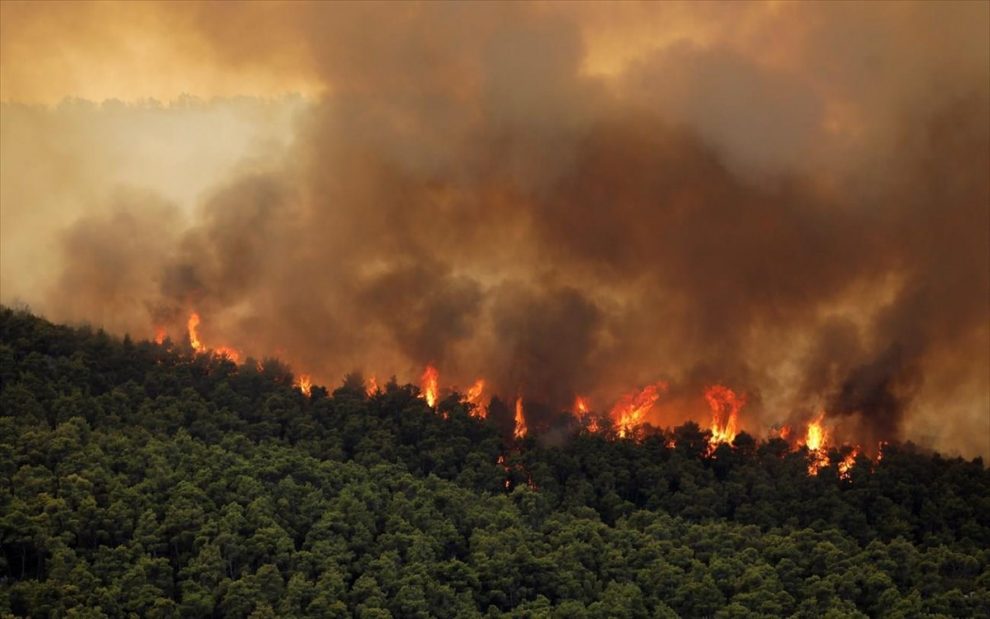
column 567, row 199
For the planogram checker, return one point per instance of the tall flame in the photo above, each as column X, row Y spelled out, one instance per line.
column 192, row 324
column 725, row 404
column 304, row 384
column 631, row 409
column 473, row 397
column 816, row 441
column 430, row 385
column 521, row 429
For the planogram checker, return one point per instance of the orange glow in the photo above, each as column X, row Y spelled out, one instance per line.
column 228, row 352
column 371, row 386
column 848, row 463
column 473, row 397
column 631, row 409
column 580, row 406
column 429, row 385
column 192, row 325
column 521, row 429
column 725, row 405
column 816, row 440
column 304, row 384
column 816, row 437
column 784, row 432
column 160, row 335
column 198, row 346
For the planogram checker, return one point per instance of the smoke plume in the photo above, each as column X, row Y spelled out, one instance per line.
column 792, row 200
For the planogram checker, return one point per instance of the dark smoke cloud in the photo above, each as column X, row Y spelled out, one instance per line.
column 468, row 194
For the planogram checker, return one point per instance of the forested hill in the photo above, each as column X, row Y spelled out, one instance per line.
column 139, row 481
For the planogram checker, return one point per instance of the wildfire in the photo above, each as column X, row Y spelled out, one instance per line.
column 304, row 384
column 192, row 324
column 631, row 409
column 521, row 429
column 430, row 385
column 816, row 441
column 228, row 352
column 725, row 405
column 582, row 411
column 848, row 463
column 473, row 397
column 160, row 335
column 371, row 387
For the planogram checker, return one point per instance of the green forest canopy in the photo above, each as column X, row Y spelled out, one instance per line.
column 148, row 482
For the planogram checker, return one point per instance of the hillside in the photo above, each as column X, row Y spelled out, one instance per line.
column 143, row 480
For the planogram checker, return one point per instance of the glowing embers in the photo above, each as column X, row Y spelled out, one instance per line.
column 725, row 404
column 520, row 420
column 632, row 408
column 429, row 385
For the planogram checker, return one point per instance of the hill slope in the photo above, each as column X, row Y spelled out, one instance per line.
column 138, row 480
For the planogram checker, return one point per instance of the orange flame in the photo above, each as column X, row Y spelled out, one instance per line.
column 725, row 405
column 304, row 384
column 430, row 385
column 228, row 352
column 192, row 324
column 845, row 467
column 521, row 429
column 473, row 397
column 160, row 335
column 582, row 410
column 631, row 409
column 371, row 386
column 816, row 440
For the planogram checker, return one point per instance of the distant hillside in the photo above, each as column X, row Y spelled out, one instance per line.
column 148, row 482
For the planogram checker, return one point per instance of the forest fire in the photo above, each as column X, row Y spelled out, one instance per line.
column 474, row 397
column 192, row 325
column 520, row 420
column 160, row 335
column 630, row 411
column 725, row 405
column 816, row 441
column 429, row 385
column 304, row 384
column 371, row 386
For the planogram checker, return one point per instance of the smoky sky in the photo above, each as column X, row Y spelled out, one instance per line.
column 796, row 206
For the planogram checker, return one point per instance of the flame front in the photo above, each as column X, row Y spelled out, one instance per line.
column 521, row 429
column 631, row 409
column 725, row 405
column 192, row 324
column 473, row 397
column 430, row 385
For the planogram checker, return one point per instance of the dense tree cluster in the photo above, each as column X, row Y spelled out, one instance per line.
column 142, row 480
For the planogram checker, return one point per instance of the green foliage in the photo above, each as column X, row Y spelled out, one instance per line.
column 140, row 481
